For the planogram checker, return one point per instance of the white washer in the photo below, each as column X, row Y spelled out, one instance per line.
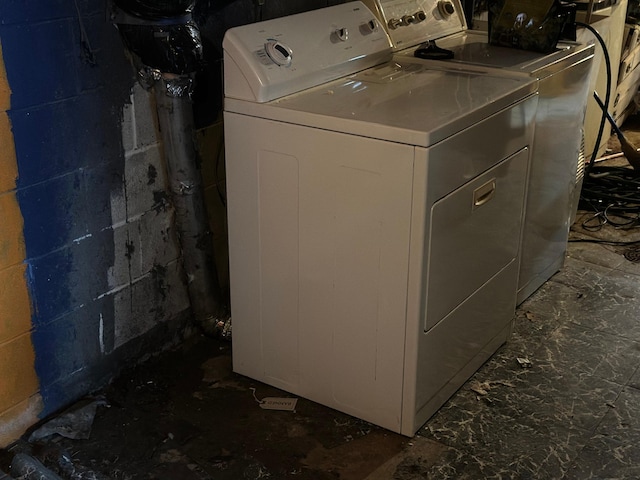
column 557, row 164
column 374, row 219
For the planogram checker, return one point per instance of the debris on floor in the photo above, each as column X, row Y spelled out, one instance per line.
column 286, row 404
column 185, row 415
column 26, row 467
column 75, row 423
column 524, row 362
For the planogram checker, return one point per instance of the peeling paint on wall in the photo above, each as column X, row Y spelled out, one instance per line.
column 146, row 277
column 86, row 255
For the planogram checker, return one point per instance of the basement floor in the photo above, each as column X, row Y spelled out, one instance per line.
column 573, row 414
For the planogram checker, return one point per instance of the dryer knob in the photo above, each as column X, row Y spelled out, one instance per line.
column 341, row 34
column 278, row 52
column 446, row 8
column 369, row 27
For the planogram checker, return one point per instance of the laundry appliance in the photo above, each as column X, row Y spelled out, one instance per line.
column 375, row 211
column 557, row 163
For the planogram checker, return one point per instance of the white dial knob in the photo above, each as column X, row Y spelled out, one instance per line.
column 341, row 34
column 446, row 8
column 278, row 52
column 369, row 27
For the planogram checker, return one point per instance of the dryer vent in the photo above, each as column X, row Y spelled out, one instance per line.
column 577, row 186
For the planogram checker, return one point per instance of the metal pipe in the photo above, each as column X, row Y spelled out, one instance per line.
column 175, row 116
column 167, row 50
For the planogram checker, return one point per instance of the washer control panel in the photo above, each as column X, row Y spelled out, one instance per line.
column 411, row 22
column 267, row 60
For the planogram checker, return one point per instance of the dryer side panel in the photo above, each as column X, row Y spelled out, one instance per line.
column 319, row 227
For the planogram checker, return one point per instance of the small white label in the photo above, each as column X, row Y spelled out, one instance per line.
column 279, row 403
column 524, row 362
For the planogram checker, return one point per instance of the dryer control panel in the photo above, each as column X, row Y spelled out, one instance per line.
column 268, row 60
column 411, row 22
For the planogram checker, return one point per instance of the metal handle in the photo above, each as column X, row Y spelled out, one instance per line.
column 484, row 193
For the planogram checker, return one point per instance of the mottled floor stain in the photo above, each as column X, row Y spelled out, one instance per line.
column 561, row 400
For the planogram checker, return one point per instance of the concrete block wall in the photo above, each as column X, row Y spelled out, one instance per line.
column 19, row 398
column 147, row 277
column 90, row 276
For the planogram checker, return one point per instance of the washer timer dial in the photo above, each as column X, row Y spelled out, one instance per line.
column 278, row 52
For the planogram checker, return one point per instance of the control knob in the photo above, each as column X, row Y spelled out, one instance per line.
column 420, row 16
column 446, row 8
column 278, row 52
column 369, row 27
column 408, row 20
column 394, row 23
column 341, row 34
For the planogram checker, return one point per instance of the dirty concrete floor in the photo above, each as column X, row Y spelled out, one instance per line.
column 574, row 414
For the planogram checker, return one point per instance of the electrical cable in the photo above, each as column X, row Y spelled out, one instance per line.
column 605, row 242
column 607, row 100
column 612, row 193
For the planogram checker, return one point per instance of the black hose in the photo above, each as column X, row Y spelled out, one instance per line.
column 607, row 99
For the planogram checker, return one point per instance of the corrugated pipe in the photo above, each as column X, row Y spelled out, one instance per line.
column 169, row 51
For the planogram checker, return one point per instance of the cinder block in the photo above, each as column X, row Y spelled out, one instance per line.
column 17, row 371
column 5, row 91
column 76, row 133
column 56, row 211
column 15, row 305
column 35, row 52
column 140, row 245
column 157, row 240
column 19, row 11
column 104, row 187
column 70, row 277
column 146, row 123
column 145, row 182
column 68, row 344
column 125, row 262
column 12, row 249
column 15, row 420
column 128, row 126
column 8, row 165
column 157, row 297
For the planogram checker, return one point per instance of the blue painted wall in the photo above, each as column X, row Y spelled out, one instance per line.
column 71, row 82
column 69, row 79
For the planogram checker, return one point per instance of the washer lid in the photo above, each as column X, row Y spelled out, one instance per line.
column 472, row 48
column 405, row 103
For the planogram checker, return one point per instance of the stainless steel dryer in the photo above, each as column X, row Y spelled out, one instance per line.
column 557, row 167
column 375, row 214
